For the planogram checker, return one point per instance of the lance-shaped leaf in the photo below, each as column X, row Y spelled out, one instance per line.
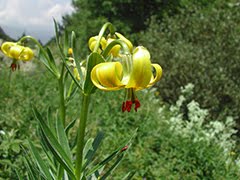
column 41, row 164
column 92, row 148
column 129, row 175
column 58, row 158
column 44, row 59
column 116, row 153
column 57, row 40
column 54, row 145
column 77, row 62
column 62, row 138
column 52, row 63
column 113, row 167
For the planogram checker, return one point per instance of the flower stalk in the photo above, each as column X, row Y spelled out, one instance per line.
column 81, row 134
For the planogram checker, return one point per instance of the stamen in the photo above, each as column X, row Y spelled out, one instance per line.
column 14, row 66
column 128, row 105
column 137, row 104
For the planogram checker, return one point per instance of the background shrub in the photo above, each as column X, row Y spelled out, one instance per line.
column 200, row 46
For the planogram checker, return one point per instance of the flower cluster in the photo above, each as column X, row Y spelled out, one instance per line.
column 114, row 64
column 16, row 52
column 131, row 70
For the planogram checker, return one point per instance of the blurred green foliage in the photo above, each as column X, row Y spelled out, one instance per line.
column 201, row 47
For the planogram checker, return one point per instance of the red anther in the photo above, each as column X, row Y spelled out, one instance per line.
column 124, row 148
column 13, row 66
column 137, row 104
column 129, row 105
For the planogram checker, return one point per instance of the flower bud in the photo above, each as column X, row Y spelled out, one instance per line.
column 93, row 40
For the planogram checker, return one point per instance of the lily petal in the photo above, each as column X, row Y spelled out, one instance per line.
column 141, row 71
column 15, row 51
column 158, row 71
column 6, row 48
column 107, row 76
column 26, row 54
column 129, row 44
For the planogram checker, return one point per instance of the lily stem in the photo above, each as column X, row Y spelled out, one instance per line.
column 81, row 134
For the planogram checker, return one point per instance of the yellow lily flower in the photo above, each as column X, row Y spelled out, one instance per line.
column 92, row 42
column 16, row 52
column 133, row 73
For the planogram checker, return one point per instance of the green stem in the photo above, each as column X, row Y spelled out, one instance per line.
column 50, row 66
column 112, row 44
column 35, row 41
column 81, row 134
column 101, row 33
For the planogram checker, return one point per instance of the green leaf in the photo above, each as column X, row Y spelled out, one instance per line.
column 58, row 41
column 77, row 62
column 88, row 147
column 52, row 63
column 113, row 167
column 42, row 57
column 92, row 150
column 53, row 144
column 111, row 156
column 62, row 138
column 66, row 43
column 93, row 59
column 71, row 74
column 70, row 125
column 30, row 169
column 41, row 165
column 71, row 92
column 129, row 176
column 58, row 158
column 45, row 148
column 51, row 121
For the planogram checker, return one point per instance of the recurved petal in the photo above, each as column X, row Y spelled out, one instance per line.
column 26, row 54
column 15, row 51
column 6, row 48
column 129, row 44
column 158, row 74
column 107, row 76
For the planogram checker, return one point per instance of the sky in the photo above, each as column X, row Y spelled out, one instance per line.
column 34, row 17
